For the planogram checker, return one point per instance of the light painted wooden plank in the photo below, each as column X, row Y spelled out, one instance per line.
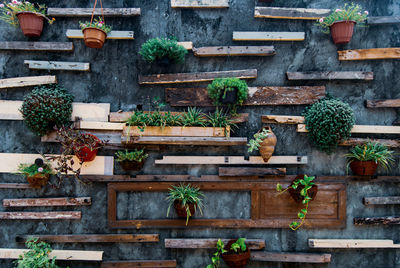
column 27, row 81
column 199, row 3
column 57, row 65
column 188, row 45
column 101, row 165
column 370, row 129
column 282, row 119
column 47, row 202
column 50, row 215
column 129, row 35
column 370, row 54
column 100, row 126
column 234, row 51
column 382, row 200
column 252, row 244
column 290, row 13
column 367, row 76
column 268, row 36
column 351, row 243
column 383, row 20
column 231, row 160
column 291, row 257
column 87, row 12
column 69, row 255
column 37, row 46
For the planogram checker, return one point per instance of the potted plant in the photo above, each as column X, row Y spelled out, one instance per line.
column 364, row 159
column 235, row 254
column 37, row 174
column 340, row 23
column 185, row 199
column 328, row 121
column 163, row 51
column 303, row 190
column 28, row 16
column 37, row 256
column 228, row 91
column 95, row 32
column 47, row 107
column 131, row 161
column 265, row 142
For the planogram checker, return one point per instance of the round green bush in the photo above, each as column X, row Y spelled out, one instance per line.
column 46, row 107
column 328, row 121
column 159, row 48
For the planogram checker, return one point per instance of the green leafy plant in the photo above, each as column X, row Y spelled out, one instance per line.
column 136, row 155
column 47, row 107
column 39, row 167
column 238, row 247
column 157, row 49
column 185, row 195
column 96, row 23
column 328, row 121
column 348, row 12
column 37, row 256
column 371, row 151
column 255, row 143
column 194, row 117
column 9, row 11
column 307, row 183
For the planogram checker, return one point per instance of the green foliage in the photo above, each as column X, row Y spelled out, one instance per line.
column 136, row 155
column 37, row 256
column 39, row 167
column 8, row 11
column 159, row 48
column 46, row 107
column 371, row 151
column 219, row 119
column 328, row 121
column 194, row 117
column 238, row 247
column 255, row 143
column 97, row 23
column 186, row 195
column 348, row 12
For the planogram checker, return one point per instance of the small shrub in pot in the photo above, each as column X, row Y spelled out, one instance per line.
column 163, row 51
column 235, row 254
column 95, row 32
column 37, row 174
column 131, row 161
column 37, row 256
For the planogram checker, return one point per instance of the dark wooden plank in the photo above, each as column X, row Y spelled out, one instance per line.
column 234, row 51
column 370, row 54
column 205, row 141
column 243, row 171
column 106, row 178
column 87, row 12
column 15, row 186
column 377, row 220
column 367, row 76
column 290, row 13
column 93, row 238
column 383, row 20
column 291, row 257
column 360, row 141
column 394, row 103
column 382, row 200
column 47, row 202
column 194, row 77
column 253, row 244
column 144, row 263
column 51, row 215
column 37, row 46
column 296, row 95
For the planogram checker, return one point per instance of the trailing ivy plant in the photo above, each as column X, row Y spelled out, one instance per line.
column 158, row 49
column 238, row 246
column 328, row 121
column 47, row 107
column 37, row 256
column 259, row 137
column 136, row 155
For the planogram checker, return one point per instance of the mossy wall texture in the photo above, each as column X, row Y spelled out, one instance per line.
column 114, row 79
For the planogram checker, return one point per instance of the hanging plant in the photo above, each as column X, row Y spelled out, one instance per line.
column 163, row 51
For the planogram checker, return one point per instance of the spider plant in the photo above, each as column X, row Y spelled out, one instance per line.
column 194, row 117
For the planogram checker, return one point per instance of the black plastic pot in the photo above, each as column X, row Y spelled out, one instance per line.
column 230, row 97
column 164, row 61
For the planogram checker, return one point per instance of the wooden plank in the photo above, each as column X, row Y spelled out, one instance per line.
column 37, row 46
column 371, row 129
column 57, row 65
column 101, row 165
column 234, row 51
column 370, row 54
column 48, row 202
column 268, row 95
column 252, row 244
column 382, row 200
column 94, row 238
column 231, row 160
column 360, row 141
column 27, row 81
column 290, row 13
column 92, row 125
column 282, row 119
column 15, row 186
column 176, row 131
column 207, row 141
column 291, row 257
column 188, row 45
column 394, row 103
column 50, row 215
column 199, row 3
column 377, row 220
column 124, row 35
column 268, row 36
column 243, row 171
column 141, row 263
column 367, row 76
column 178, row 78
column 87, row 12
column 383, row 20
column 68, row 255
column 351, row 243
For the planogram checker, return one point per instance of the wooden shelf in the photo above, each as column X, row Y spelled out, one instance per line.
column 50, row 215
column 367, row 76
column 68, row 255
column 209, row 141
column 93, row 238
column 370, row 54
column 351, row 243
column 246, row 171
column 191, row 243
column 361, row 141
column 390, row 220
column 394, row 103
column 37, row 46
column 268, row 36
column 382, row 200
column 282, row 119
column 27, row 81
column 361, row 129
column 234, row 51
column 290, row 13
column 57, row 65
column 15, row 186
column 199, row 4
column 383, row 20
column 87, row 12
column 132, row 264
column 291, row 257
column 177, row 131
column 123, row 35
column 232, row 160
column 48, row 202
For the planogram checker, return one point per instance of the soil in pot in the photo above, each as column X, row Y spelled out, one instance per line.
column 181, row 210
column 86, row 154
column 230, row 97
column 131, row 165
column 38, row 181
column 31, row 24
column 94, row 37
column 233, row 259
column 267, row 147
column 363, row 168
column 295, row 193
column 342, row 31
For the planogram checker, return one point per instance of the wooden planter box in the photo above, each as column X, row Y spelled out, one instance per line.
column 134, row 131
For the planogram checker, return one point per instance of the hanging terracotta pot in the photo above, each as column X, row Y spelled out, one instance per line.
column 38, row 181
column 31, row 23
column 131, row 165
column 267, row 146
column 94, row 37
column 86, row 154
column 233, row 259
column 363, row 168
column 295, row 193
column 181, row 210
column 342, row 31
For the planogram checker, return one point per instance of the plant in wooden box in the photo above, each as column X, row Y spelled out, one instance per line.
column 185, row 199
column 302, row 190
column 228, row 91
column 37, row 256
column 265, row 142
column 364, row 159
column 28, row 16
column 37, row 174
column 340, row 23
column 95, row 32
column 131, row 161
column 47, row 107
column 328, row 121
column 235, row 254
column 163, row 51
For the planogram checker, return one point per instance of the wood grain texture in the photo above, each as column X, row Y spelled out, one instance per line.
column 27, row 81
column 243, row 171
column 206, row 141
column 290, row 13
column 394, row 103
column 176, row 131
column 122, row 35
column 370, row 54
column 57, row 65
column 369, row 129
column 70, row 255
column 199, row 3
column 37, row 46
column 142, row 263
column 15, row 186
column 382, row 200
column 105, row 126
column 367, row 76
column 234, row 51
column 87, row 12
column 377, row 220
column 282, row 119
column 51, row 215
column 186, row 44
column 268, row 36
column 360, row 141
column 93, row 238
column 383, row 20
column 252, row 244
column 291, row 257
column 351, row 243
column 48, row 202
column 231, row 160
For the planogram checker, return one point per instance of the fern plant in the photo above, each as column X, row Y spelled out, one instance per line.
column 157, row 49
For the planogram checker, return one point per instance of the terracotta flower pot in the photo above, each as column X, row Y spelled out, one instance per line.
column 131, row 165
column 363, row 168
column 342, row 31
column 86, row 154
column 235, row 260
column 267, row 147
column 181, row 210
column 94, row 37
column 31, row 24
column 39, row 180
column 295, row 193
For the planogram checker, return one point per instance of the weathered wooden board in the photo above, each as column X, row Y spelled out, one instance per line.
column 290, row 13
column 370, row 54
column 199, row 3
column 231, row 160
column 48, row 202
column 377, row 220
column 394, row 103
column 383, row 20
column 370, row 129
column 208, row 141
column 268, row 36
column 141, row 263
column 382, row 200
column 68, row 255
column 94, row 238
column 367, row 76
column 50, row 215
column 243, row 171
column 291, row 257
column 351, row 243
column 282, row 119
column 87, row 12
column 176, row 131
column 360, row 141
column 252, row 244
column 92, row 125
column 27, row 81
column 188, row 45
column 15, row 186
column 37, row 46
column 127, row 35
column 57, row 65
column 234, row 51
column 194, row 77
column 328, row 209
column 295, row 95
